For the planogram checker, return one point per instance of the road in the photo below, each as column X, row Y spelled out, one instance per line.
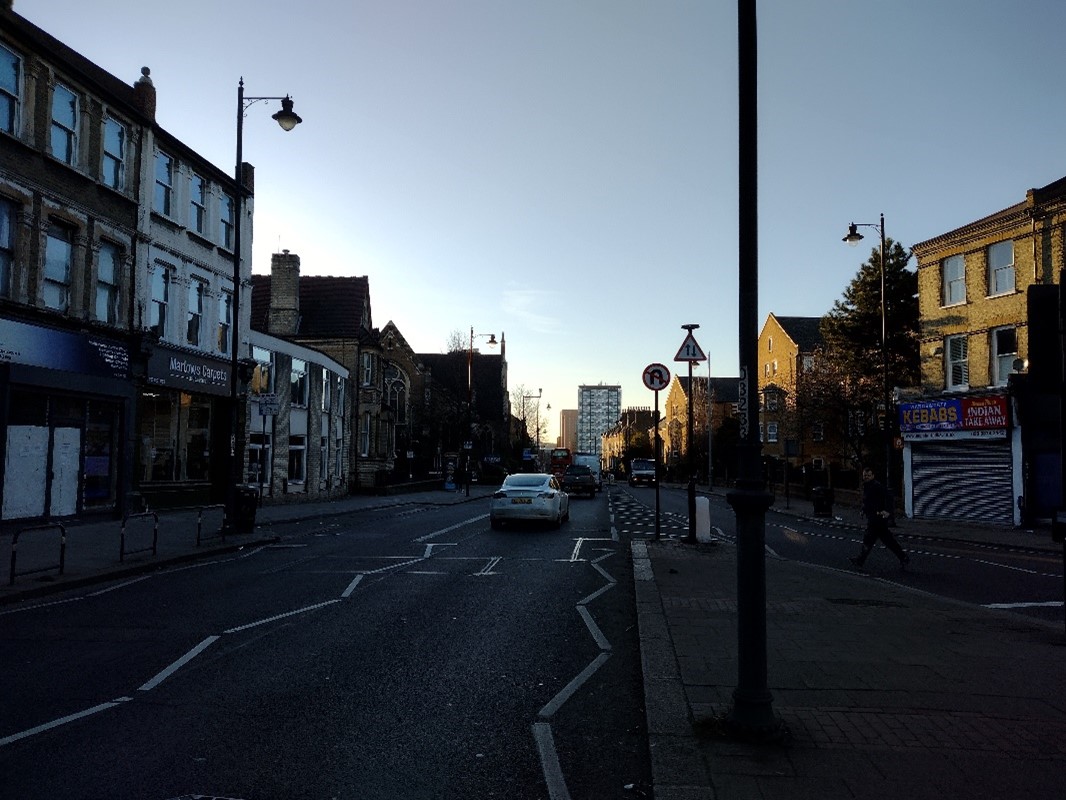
column 1024, row 580
column 406, row 653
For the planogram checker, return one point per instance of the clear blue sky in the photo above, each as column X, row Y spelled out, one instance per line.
column 565, row 171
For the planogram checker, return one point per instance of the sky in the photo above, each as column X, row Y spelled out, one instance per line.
column 563, row 173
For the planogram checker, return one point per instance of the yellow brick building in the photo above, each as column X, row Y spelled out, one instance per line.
column 975, row 334
column 787, row 346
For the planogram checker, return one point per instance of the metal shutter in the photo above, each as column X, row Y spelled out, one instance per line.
column 963, row 480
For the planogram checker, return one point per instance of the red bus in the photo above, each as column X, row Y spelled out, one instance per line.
column 560, row 458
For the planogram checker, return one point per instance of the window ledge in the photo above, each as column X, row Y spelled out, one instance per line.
column 170, row 222
column 1009, row 293
column 199, row 238
column 956, row 305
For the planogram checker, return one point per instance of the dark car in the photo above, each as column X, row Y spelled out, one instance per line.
column 578, row 479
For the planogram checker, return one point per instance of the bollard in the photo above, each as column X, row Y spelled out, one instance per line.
column 703, row 520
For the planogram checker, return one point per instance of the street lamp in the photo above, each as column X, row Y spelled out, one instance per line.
column 853, row 238
column 288, row 120
column 752, row 715
column 470, row 392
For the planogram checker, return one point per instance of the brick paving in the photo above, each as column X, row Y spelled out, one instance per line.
column 883, row 692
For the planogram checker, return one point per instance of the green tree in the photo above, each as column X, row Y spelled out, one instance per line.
column 846, row 385
column 852, row 329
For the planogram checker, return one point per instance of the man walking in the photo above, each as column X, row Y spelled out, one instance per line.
column 875, row 509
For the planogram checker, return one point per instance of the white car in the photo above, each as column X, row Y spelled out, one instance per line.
column 529, row 496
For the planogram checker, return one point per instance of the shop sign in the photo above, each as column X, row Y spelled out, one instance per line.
column 179, row 370
column 955, row 418
column 82, row 353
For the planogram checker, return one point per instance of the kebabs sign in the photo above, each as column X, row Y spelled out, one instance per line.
column 955, row 418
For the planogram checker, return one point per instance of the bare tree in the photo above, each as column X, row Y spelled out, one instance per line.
column 457, row 342
column 527, row 406
column 829, row 395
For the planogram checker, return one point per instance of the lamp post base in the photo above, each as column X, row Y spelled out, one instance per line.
column 752, row 719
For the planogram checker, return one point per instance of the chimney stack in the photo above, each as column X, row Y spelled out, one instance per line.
column 284, row 319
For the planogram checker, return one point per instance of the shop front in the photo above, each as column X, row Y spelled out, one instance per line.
column 962, row 459
column 183, row 426
column 65, row 404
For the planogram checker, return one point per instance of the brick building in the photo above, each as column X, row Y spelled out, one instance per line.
column 788, row 347
column 966, row 453
column 116, row 253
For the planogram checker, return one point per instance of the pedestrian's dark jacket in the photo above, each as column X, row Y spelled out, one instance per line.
column 874, row 499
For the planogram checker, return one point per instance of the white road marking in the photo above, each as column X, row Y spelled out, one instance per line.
column 487, row 569
column 556, row 702
column 1048, row 604
column 62, row 721
column 351, row 586
column 595, row 594
column 451, row 528
column 240, row 628
column 119, row 586
column 594, row 629
column 181, row 662
column 549, row 762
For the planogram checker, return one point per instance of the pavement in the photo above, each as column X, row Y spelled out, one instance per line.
column 872, row 689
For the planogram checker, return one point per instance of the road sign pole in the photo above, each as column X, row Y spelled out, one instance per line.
column 691, row 538
column 658, row 454
column 657, row 377
column 691, row 352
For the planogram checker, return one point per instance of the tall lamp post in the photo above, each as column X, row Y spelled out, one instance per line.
column 853, row 238
column 288, row 120
column 752, row 715
column 470, row 394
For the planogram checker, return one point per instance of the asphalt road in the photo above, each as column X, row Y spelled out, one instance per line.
column 406, row 653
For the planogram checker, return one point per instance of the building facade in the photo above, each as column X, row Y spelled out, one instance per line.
column 792, row 438
column 115, row 268
column 298, row 429
column 568, row 429
column 632, row 436
column 967, row 453
column 598, row 409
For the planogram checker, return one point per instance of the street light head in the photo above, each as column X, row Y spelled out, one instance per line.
column 492, row 340
column 854, row 237
column 287, row 118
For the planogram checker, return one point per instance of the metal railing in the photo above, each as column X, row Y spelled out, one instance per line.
column 221, row 534
column 62, row 550
column 123, row 552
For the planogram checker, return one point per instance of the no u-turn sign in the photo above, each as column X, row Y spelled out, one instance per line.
column 656, row 377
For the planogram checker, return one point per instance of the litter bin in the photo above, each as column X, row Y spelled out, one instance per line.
column 245, row 504
column 822, row 496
